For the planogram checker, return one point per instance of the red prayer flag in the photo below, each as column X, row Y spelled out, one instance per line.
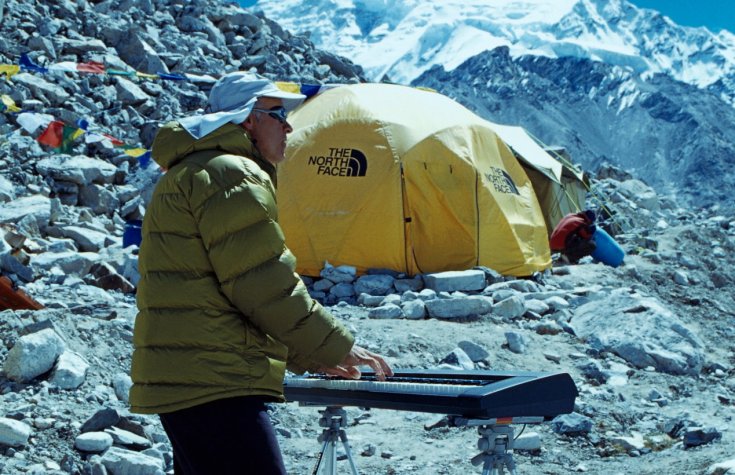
column 116, row 142
column 91, row 67
column 53, row 136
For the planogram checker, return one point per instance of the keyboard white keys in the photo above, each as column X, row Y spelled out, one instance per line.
column 380, row 386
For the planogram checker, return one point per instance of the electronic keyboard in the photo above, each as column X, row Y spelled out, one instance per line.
column 476, row 394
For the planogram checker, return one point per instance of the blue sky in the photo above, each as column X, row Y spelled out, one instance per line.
column 714, row 14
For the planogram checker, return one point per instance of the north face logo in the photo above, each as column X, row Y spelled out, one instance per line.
column 340, row 162
column 502, row 182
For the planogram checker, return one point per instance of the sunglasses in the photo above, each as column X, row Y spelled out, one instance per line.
column 278, row 113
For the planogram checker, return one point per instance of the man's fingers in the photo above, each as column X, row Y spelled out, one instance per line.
column 349, row 372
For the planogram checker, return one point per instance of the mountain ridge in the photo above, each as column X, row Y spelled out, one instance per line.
column 403, row 38
column 604, row 113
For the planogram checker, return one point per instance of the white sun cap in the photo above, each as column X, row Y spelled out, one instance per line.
column 232, row 99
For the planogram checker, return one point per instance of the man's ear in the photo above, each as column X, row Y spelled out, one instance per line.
column 249, row 123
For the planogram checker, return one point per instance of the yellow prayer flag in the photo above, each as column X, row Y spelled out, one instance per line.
column 289, row 87
column 146, row 75
column 9, row 103
column 135, row 152
column 77, row 133
column 9, row 70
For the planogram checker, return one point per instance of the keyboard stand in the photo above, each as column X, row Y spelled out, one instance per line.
column 496, row 441
column 333, row 419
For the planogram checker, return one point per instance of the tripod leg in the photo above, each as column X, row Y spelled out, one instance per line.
column 320, row 458
column 346, row 445
column 327, row 461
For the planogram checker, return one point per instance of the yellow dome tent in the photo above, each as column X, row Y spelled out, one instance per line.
column 387, row 176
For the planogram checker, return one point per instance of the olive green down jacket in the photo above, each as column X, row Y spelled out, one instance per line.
column 221, row 310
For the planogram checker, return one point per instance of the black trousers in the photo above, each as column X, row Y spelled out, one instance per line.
column 228, row 436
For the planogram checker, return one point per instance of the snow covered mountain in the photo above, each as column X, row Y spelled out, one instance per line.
column 609, row 81
column 401, row 39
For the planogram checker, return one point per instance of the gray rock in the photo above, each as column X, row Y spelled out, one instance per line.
column 129, row 92
column 499, row 295
column 525, row 286
column 547, row 327
column 414, row 309
column 527, row 442
column 130, row 269
column 409, row 295
column 640, row 193
column 126, row 462
column 322, row 285
column 7, row 190
column 33, row 355
column 386, row 312
column 376, row 284
column 573, row 424
column 10, row 264
column 721, row 468
column 128, row 439
column 407, row 285
column 681, row 278
column 339, row 274
column 82, row 47
column 491, row 276
column 474, row 351
column 140, row 55
column 593, row 371
column 14, row 433
column 427, row 294
column 370, row 300
column 391, row 299
column 71, row 263
column 70, row 371
column 697, row 436
column 78, row 169
column 451, row 281
column 98, row 199
column 641, row 331
column 342, row 290
column 458, row 307
column 688, row 262
column 37, row 206
column 52, row 94
column 88, row 240
column 516, row 342
column 122, row 383
column 510, row 308
column 103, row 275
column 101, row 419
column 556, row 303
column 537, row 306
column 459, row 358
column 94, row 442
column 633, row 442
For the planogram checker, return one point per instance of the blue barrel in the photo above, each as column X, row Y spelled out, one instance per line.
column 607, row 251
column 132, row 235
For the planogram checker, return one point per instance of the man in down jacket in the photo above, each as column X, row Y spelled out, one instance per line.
column 222, row 314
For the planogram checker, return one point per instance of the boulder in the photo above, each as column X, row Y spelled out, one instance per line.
column 641, row 331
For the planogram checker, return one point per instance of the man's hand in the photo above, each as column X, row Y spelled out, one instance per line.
column 358, row 356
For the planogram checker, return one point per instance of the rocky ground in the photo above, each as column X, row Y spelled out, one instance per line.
column 666, row 407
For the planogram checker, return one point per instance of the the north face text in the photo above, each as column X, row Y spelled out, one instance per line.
column 340, row 162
